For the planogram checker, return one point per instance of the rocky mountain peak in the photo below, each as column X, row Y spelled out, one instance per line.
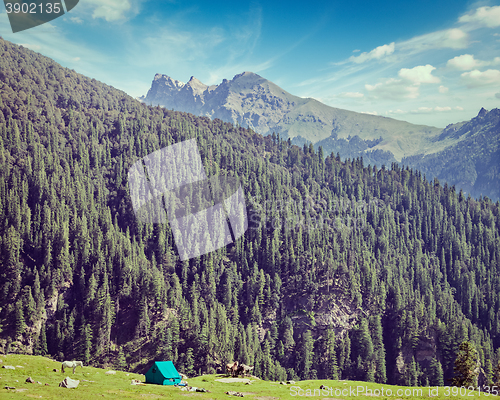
column 196, row 83
column 248, row 80
column 252, row 101
column 491, row 116
column 482, row 112
column 246, row 74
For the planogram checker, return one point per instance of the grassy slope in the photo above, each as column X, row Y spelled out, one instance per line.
column 118, row 386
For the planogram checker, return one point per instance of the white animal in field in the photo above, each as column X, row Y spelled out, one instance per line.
column 71, row 364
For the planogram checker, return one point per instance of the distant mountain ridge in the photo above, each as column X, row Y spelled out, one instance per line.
column 254, row 102
column 473, row 163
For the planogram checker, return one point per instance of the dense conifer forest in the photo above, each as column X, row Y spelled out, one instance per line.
column 346, row 271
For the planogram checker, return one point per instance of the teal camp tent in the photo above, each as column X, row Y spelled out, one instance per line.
column 163, row 373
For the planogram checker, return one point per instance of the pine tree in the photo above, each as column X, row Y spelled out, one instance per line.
column 29, row 305
column 363, row 346
column 345, row 356
column 436, row 373
column 379, row 349
column 465, row 366
column 305, row 354
column 331, row 355
column 189, row 363
column 412, row 373
column 86, row 342
column 488, row 370
column 166, row 344
column 20, row 324
column 144, row 323
column 121, row 361
column 287, row 336
column 41, row 347
column 496, row 374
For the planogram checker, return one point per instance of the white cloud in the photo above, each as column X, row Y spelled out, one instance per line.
column 351, row 95
column 110, row 10
column 455, row 39
column 426, row 110
column 419, row 74
column 76, row 20
column 376, row 54
column 483, row 16
column 430, row 110
column 443, row 89
column 466, row 62
column 394, row 89
column 422, row 110
column 442, row 109
column 369, row 112
column 451, row 38
column 477, row 78
column 76, row 59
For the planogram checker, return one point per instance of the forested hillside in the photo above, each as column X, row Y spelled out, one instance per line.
column 345, row 271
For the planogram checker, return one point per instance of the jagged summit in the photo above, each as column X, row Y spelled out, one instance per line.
column 247, row 73
column 257, row 103
column 195, row 81
column 482, row 112
column 246, row 76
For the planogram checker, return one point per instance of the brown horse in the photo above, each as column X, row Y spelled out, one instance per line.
column 232, row 368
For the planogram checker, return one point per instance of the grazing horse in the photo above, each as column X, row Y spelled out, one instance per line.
column 231, row 368
column 71, row 364
column 244, row 369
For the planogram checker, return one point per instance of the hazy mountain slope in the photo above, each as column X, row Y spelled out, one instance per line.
column 473, row 164
column 252, row 101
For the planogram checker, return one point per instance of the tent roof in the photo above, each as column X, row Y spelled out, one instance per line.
column 167, row 369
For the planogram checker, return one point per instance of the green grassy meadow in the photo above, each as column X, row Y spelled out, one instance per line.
column 95, row 384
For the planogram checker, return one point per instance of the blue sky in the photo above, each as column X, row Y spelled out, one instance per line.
column 428, row 62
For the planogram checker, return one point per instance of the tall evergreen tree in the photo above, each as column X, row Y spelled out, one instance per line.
column 436, row 373
column 465, row 366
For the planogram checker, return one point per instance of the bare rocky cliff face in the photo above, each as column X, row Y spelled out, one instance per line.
column 248, row 100
column 254, row 102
